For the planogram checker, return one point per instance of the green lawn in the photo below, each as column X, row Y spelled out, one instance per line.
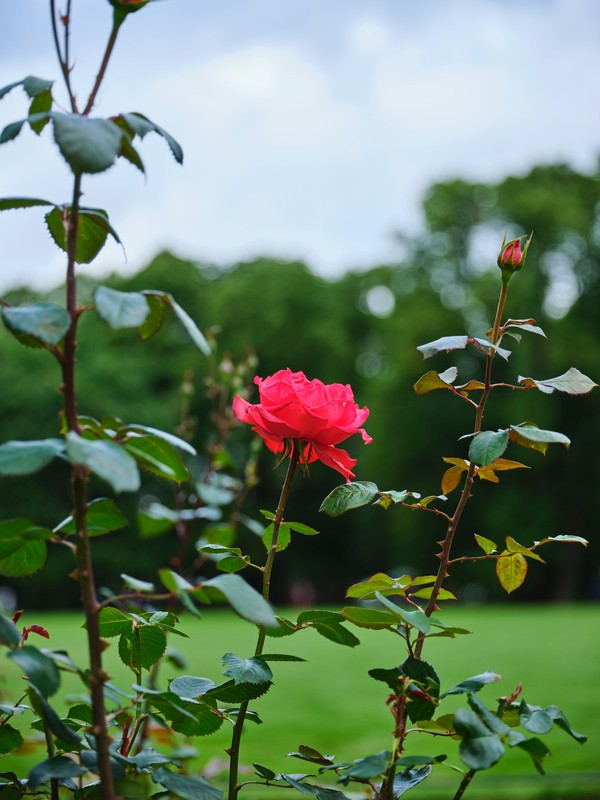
column 332, row 704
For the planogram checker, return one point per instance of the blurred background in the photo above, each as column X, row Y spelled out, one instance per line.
column 350, row 172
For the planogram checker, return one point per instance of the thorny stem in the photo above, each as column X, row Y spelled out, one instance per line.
column 466, row 492
column 64, row 62
column 234, row 750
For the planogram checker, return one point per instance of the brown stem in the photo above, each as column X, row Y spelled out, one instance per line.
column 463, row 784
column 444, row 556
column 234, row 750
column 64, row 62
column 85, row 573
column 101, row 72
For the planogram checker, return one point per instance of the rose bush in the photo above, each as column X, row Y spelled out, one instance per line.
column 317, row 415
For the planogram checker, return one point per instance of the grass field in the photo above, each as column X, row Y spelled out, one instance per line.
column 332, row 704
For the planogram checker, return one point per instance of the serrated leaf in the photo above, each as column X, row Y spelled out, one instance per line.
column 348, row 496
column 113, row 622
column 59, row 767
column 189, row 687
column 479, row 748
column 486, row 545
column 13, row 129
column 443, row 345
column 231, row 564
column 336, row 633
column 88, row 145
column 142, row 646
column 10, row 739
column 159, row 457
column 103, row 516
column 532, row 437
column 231, row 692
column 13, row 203
column 284, row 537
column 473, row 684
column 408, row 778
column 27, row 560
column 514, row 547
column 305, row 530
column 563, row 538
column 93, row 228
column 46, row 322
column 39, row 668
column 426, row 678
column 487, row 446
column 107, row 460
column 244, row 600
column 246, row 670
column 571, row 382
column 368, row 767
column 14, row 533
column 9, row 633
column 319, row 615
column 511, row 571
column 372, row 618
column 488, row 473
column 121, row 309
column 141, row 125
column 451, row 478
column 433, row 380
column 186, row 787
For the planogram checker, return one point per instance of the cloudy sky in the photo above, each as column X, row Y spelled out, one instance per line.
column 310, row 128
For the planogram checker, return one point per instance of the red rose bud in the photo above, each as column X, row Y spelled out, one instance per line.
column 319, row 415
column 512, row 256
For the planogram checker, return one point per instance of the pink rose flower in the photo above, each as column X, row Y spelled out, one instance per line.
column 317, row 415
column 512, row 255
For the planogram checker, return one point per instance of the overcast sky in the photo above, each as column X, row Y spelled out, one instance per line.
column 310, row 128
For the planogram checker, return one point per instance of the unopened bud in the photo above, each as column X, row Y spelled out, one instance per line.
column 511, row 257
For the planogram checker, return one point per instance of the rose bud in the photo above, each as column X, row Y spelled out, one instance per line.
column 512, row 256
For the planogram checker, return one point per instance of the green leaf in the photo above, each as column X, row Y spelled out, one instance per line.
column 306, row 753
column 176, row 441
column 189, row 687
column 156, row 317
column 433, row 380
column 443, row 345
column 386, row 498
column 136, row 584
column 563, row 538
column 535, row 719
column 562, row 722
column 318, row 615
column 532, row 437
column 34, row 86
column 186, row 787
column 336, row 633
column 493, row 722
column 417, row 619
column 103, row 516
column 514, row 547
column 281, row 657
column 184, row 318
column 479, row 748
column 29, row 558
column 305, row 530
column 41, row 104
column 14, row 534
column 46, row 322
column 246, row 670
column 424, row 675
column 372, row 618
column 87, row 145
column 59, row 767
column 159, row 457
column 264, row 772
column 51, row 718
column 41, row 670
column 231, row 564
column 473, row 684
column 486, row 545
column 348, row 496
column 9, row 633
column 108, row 460
column 113, row 622
column 244, row 600
column 364, row 769
column 525, row 325
column 92, row 231
column 537, row 750
column 571, row 382
column 284, row 537
column 142, row 646
column 10, row 203
column 379, row 582
column 231, row 692
column 121, row 309
column 487, row 446
column 486, row 346
column 511, row 570
column 10, row 739
column 141, row 125
column 405, row 780
column 13, row 129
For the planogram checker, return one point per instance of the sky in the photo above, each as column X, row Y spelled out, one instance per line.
column 310, row 129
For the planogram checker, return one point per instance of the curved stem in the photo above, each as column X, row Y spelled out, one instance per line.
column 101, row 72
column 63, row 61
column 234, row 750
column 463, row 784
